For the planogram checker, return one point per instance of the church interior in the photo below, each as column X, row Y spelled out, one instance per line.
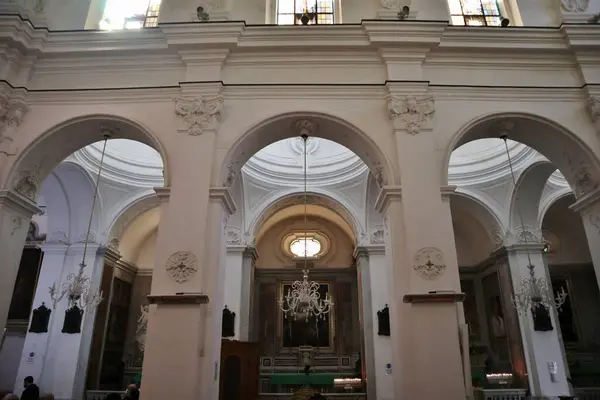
column 303, row 286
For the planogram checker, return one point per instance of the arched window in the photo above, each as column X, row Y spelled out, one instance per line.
column 475, row 12
column 320, row 12
column 130, row 14
column 306, row 247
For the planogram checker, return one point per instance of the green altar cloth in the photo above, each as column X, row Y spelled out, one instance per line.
column 303, row 379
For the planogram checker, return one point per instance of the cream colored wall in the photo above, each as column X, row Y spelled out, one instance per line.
column 272, row 256
column 145, row 259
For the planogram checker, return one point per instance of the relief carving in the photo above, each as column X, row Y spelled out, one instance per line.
column 233, row 235
column 27, row 185
column 232, row 172
column 377, row 235
column 429, row 263
column 583, row 179
column 57, row 237
column 412, row 113
column 593, row 108
column 11, row 116
column 141, row 328
column 305, row 127
column 389, row 4
column 199, row 114
column 87, row 237
column 16, row 222
column 575, row 5
column 181, row 266
column 595, row 221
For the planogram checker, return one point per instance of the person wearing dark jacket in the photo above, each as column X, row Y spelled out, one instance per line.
column 32, row 391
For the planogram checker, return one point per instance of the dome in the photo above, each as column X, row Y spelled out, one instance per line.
column 329, row 163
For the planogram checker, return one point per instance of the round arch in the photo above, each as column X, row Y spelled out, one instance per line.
column 42, row 155
column 562, row 147
column 526, row 196
column 481, row 211
column 129, row 210
column 284, row 201
column 546, row 203
column 288, row 125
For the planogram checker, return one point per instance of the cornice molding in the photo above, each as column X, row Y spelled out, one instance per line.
column 163, row 193
column 18, row 203
column 367, row 250
column 584, row 202
column 386, row 195
column 223, row 195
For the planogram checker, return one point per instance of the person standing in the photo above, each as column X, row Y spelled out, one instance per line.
column 32, row 391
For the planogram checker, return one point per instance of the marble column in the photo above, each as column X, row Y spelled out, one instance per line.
column 374, row 271
column 15, row 214
column 588, row 207
column 541, row 348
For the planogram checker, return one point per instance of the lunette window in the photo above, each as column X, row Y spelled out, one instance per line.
column 475, row 12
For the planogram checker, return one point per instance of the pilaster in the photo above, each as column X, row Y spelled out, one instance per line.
column 588, row 207
column 541, row 348
column 15, row 214
column 373, row 273
column 423, row 248
column 250, row 256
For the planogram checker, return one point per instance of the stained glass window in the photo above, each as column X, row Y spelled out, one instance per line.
column 475, row 12
column 130, row 14
column 290, row 12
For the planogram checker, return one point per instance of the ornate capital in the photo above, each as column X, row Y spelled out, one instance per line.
column 411, row 113
column 198, row 114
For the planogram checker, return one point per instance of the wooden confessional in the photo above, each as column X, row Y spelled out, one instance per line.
column 239, row 370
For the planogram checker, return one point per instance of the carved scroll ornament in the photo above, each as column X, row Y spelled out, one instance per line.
column 411, row 113
column 199, row 114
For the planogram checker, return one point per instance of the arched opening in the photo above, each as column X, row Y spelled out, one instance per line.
column 59, row 171
column 546, row 161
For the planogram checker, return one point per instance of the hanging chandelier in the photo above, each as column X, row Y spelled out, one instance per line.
column 303, row 299
column 78, row 288
column 532, row 292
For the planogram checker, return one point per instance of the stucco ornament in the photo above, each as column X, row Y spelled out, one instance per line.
column 429, row 263
column 233, row 235
column 198, row 114
column 575, row 5
column 11, row 116
column 305, row 127
column 27, row 185
column 142, row 327
column 57, row 237
column 181, row 266
column 377, row 235
column 595, row 221
column 232, row 172
column 593, row 107
column 412, row 113
column 17, row 222
column 524, row 235
column 582, row 176
column 389, row 4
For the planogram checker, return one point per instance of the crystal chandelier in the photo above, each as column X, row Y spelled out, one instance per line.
column 303, row 299
column 533, row 292
column 78, row 288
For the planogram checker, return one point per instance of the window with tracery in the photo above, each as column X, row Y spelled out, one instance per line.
column 475, row 12
column 290, row 12
column 130, row 14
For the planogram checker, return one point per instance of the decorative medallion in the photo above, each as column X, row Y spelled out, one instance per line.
column 199, row 114
column 411, row 113
column 27, row 185
column 181, row 266
column 429, row 263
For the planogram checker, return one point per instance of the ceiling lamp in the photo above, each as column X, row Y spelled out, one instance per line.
column 303, row 299
column 532, row 292
column 78, row 288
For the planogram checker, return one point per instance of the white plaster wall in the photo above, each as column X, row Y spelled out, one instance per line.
column 379, row 273
column 10, row 356
column 233, row 285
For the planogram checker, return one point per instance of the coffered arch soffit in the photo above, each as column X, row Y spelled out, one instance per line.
column 567, row 151
column 239, row 149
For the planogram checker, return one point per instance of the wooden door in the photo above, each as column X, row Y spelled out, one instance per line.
column 239, row 376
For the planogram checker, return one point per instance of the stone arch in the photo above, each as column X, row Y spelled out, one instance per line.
column 547, row 202
column 526, row 196
column 43, row 154
column 563, row 148
column 128, row 211
column 288, row 125
column 285, row 200
column 469, row 203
